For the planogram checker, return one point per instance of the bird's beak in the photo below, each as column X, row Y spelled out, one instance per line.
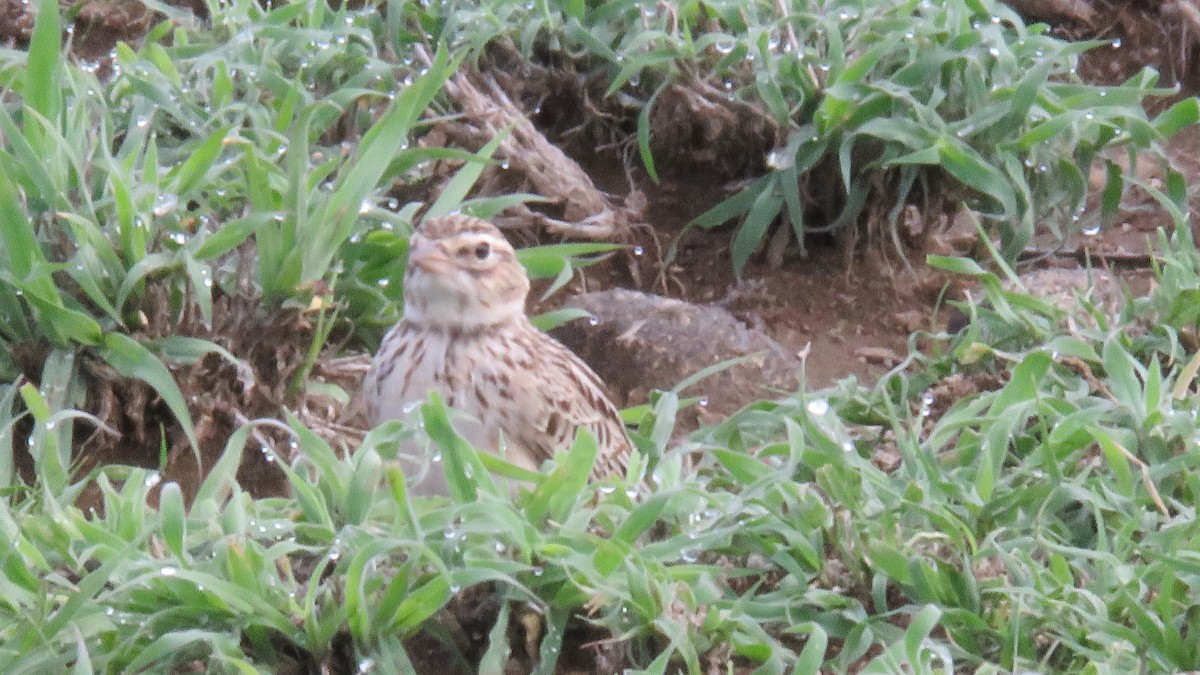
column 428, row 256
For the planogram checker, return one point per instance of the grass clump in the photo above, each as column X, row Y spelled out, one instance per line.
column 846, row 113
column 1021, row 497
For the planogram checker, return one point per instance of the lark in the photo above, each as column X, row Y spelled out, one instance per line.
column 464, row 333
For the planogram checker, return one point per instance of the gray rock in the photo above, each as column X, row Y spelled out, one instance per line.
column 638, row 342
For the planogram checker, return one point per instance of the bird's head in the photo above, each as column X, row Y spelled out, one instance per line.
column 462, row 273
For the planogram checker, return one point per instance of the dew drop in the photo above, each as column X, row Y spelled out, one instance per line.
column 164, row 203
column 168, row 571
column 593, row 321
column 818, row 406
column 1092, row 230
column 638, row 250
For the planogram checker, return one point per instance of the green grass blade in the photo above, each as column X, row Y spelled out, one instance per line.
column 464, row 179
column 43, row 75
column 131, row 359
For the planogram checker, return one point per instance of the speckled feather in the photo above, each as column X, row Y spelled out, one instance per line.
column 465, row 334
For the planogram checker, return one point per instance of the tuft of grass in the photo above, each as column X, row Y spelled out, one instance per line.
column 872, row 105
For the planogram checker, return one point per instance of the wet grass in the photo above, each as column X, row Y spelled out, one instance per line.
column 1021, row 496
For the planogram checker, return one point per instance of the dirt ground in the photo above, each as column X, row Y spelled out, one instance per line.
column 850, row 316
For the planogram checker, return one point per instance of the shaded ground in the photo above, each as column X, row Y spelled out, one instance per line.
column 853, row 317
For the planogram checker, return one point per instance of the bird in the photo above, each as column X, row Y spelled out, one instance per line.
column 464, row 333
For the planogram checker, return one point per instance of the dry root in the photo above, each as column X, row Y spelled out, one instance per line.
column 489, row 112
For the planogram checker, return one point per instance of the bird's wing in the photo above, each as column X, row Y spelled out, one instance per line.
column 564, row 394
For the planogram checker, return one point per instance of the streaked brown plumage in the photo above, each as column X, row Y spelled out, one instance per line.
column 465, row 335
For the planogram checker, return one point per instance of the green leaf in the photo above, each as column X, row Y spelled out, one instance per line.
column 1178, row 117
column 558, row 492
column 1117, row 458
column 957, row 265
column 43, row 74
column 131, row 359
column 813, row 654
column 1110, row 197
column 749, row 237
column 1122, row 371
column 465, row 473
column 464, row 179
column 643, row 133
column 965, row 164
column 734, row 206
column 376, row 152
column 641, row 518
column 547, row 321
column 222, row 476
column 188, row 175
column 420, row 604
column 553, row 260
column 917, row 633
column 746, row 469
column 171, row 513
column 497, row 654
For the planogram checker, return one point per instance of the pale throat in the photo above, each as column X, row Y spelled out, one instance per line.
column 433, row 306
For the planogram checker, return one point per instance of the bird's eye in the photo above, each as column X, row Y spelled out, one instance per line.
column 482, row 250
